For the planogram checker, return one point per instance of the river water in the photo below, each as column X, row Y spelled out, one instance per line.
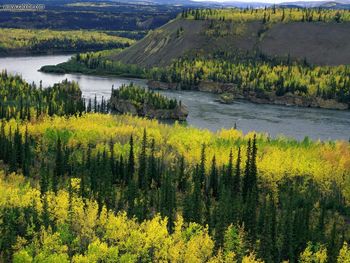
column 205, row 112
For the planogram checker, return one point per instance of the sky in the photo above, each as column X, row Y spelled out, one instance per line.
column 260, row 1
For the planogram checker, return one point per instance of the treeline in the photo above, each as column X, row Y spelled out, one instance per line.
column 79, row 173
column 141, row 96
column 40, row 41
column 260, row 75
column 242, row 211
column 24, row 101
column 248, row 72
column 100, row 61
column 96, row 63
column 267, row 15
column 113, row 16
column 136, row 35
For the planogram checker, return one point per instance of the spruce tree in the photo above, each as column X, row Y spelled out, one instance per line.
column 142, row 173
column 59, row 165
column 196, row 199
column 181, row 186
column 246, row 178
column 27, row 154
column 201, row 171
column 131, row 162
column 168, row 200
column 214, row 179
column 152, row 173
column 237, row 176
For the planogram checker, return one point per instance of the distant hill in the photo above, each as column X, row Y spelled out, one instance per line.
column 341, row 4
column 317, row 42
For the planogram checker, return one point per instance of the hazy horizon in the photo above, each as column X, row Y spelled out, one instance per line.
column 258, row 1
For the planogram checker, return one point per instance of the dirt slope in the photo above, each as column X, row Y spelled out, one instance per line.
column 319, row 43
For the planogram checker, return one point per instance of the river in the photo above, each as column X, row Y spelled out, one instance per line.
column 205, row 112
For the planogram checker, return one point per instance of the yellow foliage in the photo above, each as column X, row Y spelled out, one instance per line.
column 310, row 256
column 344, row 254
column 251, row 259
column 278, row 158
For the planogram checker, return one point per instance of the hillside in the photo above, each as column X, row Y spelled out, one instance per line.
column 276, row 56
column 33, row 41
column 320, row 43
column 181, row 37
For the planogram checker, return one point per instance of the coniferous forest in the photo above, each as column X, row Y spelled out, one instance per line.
column 256, row 73
column 81, row 185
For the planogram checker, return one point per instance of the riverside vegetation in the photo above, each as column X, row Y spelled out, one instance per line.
column 142, row 102
column 249, row 72
column 81, row 186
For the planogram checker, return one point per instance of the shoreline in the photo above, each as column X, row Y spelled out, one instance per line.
column 287, row 100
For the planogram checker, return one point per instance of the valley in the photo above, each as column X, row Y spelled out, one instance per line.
column 175, row 131
column 245, row 53
column 204, row 110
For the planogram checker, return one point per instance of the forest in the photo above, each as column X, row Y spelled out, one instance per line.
column 111, row 16
column 96, row 63
column 20, row 100
column 251, row 71
column 260, row 75
column 139, row 96
column 269, row 15
column 17, row 41
column 79, row 184
column 248, row 72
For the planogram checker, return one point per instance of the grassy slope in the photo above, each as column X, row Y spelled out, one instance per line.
column 318, row 42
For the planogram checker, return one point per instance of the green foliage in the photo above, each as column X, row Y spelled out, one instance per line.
column 246, row 72
column 259, row 74
column 283, row 199
column 97, row 63
column 40, row 41
column 269, row 15
column 19, row 99
column 140, row 96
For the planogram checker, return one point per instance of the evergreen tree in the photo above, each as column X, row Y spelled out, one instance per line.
column 246, row 179
column 202, row 175
column 168, row 200
column 142, row 172
column 131, row 161
column 237, row 176
column 181, row 177
column 59, row 165
column 214, row 179
column 27, row 154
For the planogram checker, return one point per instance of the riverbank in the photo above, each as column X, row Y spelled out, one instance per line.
column 24, row 52
column 288, row 99
column 137, row 101
column 204, row 110
column 71, row 67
